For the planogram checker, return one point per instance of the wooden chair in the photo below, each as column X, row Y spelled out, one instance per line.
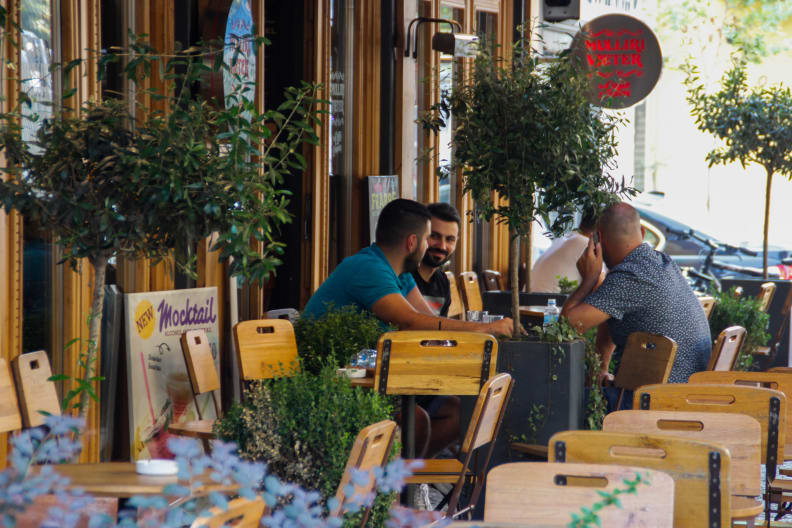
column 765, row 296
column 482, row 431
column 36, row 393
column 471, row 293
column 492, row 280
column 204, row 380
column 707, row 303
column 10, row 417
column 266, row 349
column 700, row 470
column 766, row 406
column 727, row 348
column 371, row 449
column 455, row 310
column 241, row 513
column 647, row 359
column 772, row 348
column 547, row 493
column 435, row 363
column 740, row 434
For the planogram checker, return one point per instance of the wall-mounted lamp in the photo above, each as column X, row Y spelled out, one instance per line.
column 456, row 44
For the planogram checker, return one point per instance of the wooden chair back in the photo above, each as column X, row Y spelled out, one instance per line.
column 36, row 394
column 371, row 449
column 266, row 348
column 700, row 470
column 456, row 309
column 740, row 434
column 727, row 348
column 492, row 280
column 766, row 406
column 779, row 381
column 434, row 362
column 10, row 417
column 772, row 347
column 707, row 304
column 647, row 359
column 765, row 296
column 557, row 490
column 241, row 513
column 201, row 367
column 471, row 293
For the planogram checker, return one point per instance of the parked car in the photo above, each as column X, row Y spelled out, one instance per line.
column 690, row 248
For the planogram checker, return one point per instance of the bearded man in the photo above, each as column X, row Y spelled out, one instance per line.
column 429, row 277
column 378, row 278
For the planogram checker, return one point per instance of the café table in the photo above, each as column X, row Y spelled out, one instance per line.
column 532, row 310
column 121, row 480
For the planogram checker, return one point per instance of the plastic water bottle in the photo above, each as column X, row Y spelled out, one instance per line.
column 551, row 313
column 363, row 358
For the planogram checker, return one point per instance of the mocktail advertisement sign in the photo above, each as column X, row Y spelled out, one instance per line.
column 159, row 385
column 621, row 56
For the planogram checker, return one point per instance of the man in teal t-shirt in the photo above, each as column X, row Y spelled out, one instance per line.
column 378, row 277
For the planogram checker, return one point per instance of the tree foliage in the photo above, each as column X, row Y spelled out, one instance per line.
column 754, row 124
column 119, row 178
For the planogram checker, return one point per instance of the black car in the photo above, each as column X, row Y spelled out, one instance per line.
column 690, row 248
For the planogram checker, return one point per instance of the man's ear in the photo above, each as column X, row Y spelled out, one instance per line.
column 412, row 242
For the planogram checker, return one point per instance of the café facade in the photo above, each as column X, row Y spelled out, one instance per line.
column 355, row 48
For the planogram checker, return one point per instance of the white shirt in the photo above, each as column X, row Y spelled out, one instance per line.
column 560, row 259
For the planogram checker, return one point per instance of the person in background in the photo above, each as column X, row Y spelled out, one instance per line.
column 429, row 277
column 644, row 291
column 560, row 259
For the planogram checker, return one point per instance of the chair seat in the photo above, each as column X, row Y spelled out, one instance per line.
column 437, row 471
column 745, row 507
column 195, row 429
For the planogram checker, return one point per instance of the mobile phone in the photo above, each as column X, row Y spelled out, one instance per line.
column 595, row 237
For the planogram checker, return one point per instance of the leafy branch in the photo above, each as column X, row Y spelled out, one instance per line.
column 589, row 516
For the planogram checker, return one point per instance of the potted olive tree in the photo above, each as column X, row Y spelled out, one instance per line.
column 524, row 131
column 109, row 183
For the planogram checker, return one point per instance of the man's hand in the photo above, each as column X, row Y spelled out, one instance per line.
column 590, row 262
column 604, row 378
column 503, row 327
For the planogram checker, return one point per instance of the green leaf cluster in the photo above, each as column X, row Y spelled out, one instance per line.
column 589, row 516
column 525, row 130
column 735, row 310
column 304, row 426
column 335, row 336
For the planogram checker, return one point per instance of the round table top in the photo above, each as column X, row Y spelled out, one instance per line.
column 118, row 479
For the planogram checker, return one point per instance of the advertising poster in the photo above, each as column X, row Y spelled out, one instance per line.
column 382, row 190
column 239, row 54
column 159, row 385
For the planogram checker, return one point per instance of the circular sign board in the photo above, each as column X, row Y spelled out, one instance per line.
column 622, row 58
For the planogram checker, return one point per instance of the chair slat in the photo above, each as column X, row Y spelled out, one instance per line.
column 471, row 292
column 727, row 348
column 647, row 359
column 455, row 309
column 36, row 394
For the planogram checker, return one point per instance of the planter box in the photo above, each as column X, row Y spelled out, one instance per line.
column 529, row 363
column 499, row 303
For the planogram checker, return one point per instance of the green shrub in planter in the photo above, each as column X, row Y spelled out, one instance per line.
column 335, row 336
column 304, row 427
column 731, row 310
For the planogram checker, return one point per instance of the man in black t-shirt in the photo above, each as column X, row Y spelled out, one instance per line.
column 430, row 279
column 433, row 284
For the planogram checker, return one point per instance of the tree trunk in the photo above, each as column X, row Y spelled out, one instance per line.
column 95, row 327
column 514, row 272
column 766, row 221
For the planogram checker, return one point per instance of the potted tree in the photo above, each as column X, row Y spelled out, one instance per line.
column 524, row 131
column 755, row 125
column 111, row 183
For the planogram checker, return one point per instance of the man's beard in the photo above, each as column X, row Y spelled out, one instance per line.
column 411, row 261
column 431, row 261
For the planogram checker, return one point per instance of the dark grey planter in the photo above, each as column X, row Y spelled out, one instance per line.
column 529, row 363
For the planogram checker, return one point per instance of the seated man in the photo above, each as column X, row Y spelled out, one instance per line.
column 378, row 277
column 429, row 277
column 643, row 291
column 561, row 258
